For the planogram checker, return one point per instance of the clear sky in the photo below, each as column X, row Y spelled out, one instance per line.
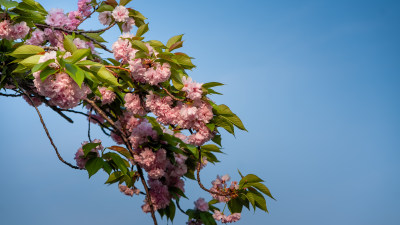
column 317, row 83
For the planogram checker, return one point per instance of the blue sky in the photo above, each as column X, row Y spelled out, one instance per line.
column 315, row 82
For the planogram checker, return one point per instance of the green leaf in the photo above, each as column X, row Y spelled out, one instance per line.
column 217, row 139
column 170, row 210
column 124, row 2
column 31, row 61
column 207, row 218
column 212, row 84
column 78, row 55
column 211, row 148
column 250, row 197
column 105, row 7
column 114, row 177
column 42, row 65
column 142, row 30
column 250, row 178
column 224, row 123
column 225, row 112
column 96, row 36
column 26, row 51
column 177, row 191
column 155, row 124
column 93, row 165
column 107, row 76
column 140, row 46
column 173, row 40
column 75, row 73
column 259, row 199
column 121, row 150
column 156, row 44
column 37, row 6
column 87, row 63
column 177, row 45
column 235, row 205
column 261, row 187
column 69, row 44
column 184, row 60
column 118, row 161
column 8, row 4
column 47, row 72
column 176, row 78
column 89, row 147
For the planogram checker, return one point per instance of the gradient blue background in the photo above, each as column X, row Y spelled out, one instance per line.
column 315, row 82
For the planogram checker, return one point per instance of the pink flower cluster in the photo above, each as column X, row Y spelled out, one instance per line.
column 79, row 155
column 120, row 14
column 193, row 90
column 201, row 205
column 132, row 103
column 188, row 116
column 62, row 90
column 123, row 50
column 105, row 17
column 146, row 71
column 107, row 96
column 221, row 185
column 128, row 191
column 226, row 219
column 13, row 32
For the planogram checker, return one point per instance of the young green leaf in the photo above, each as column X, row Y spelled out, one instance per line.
column 89, row 147
column 173, row 40
column 75, row 73
column 93, row 165
column 26, row 51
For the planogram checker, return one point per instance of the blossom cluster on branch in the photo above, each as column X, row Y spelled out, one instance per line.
column 165, row 127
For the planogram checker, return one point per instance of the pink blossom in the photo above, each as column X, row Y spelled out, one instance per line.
column 105, row 17
column 37, row 38
column 123, row 50
column 19, row 30
column 84, row 7
column 127, row 26
column 57, row 18
column 226, row 219
column 117, row 138
column 62, row 90
column 80, row 44
column 141, row 133
column 5, row 29
column 160, row 196
column 132, row 103
column 120, row 13
column 221, row 185
column 79, row 155
column 201, row 205
column 74, row 19
column 107, row 96
column 193, row 90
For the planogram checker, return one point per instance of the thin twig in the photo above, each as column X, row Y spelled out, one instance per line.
column 49, row 137
column 117, row 67
column 170, row 95
column 10, row 95
column 199, row 182
column 90, row 139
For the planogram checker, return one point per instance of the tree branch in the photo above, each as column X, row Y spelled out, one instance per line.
column 49, row 137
